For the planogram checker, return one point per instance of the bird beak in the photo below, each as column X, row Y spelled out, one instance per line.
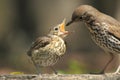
column 70, row 22
column 62, row 27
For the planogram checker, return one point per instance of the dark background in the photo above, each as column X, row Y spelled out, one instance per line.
column 22, row 21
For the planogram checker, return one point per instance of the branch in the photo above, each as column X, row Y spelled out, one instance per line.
column 108, row 76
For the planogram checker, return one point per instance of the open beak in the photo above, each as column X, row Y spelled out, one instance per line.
column 62, row 27
column 70, row 22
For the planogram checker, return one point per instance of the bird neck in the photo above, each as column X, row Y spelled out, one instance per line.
column 89, row 19
column 52, row 36
column 92, row 23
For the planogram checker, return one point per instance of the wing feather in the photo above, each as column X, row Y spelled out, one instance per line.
column 39, row 43
column 112, row 24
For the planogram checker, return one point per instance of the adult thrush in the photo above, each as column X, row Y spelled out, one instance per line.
column 104, row 30
column 47, row 50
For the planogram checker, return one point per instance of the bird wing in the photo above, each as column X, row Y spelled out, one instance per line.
column 114, row 29
column 114, row 32
column 112, row 25
column 39, row 43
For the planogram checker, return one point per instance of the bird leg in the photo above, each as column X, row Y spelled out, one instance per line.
column 112, row 57
column 54, row 70
column 37, row 67
column 117, row 71
column 103, row 70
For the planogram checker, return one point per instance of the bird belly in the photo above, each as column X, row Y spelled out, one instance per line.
column 45, row 59
column 50, row 54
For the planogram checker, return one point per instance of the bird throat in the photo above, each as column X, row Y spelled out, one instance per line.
column 91, row 24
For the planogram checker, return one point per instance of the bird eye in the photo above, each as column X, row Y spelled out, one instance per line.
column 56, row 29
column 80, row 17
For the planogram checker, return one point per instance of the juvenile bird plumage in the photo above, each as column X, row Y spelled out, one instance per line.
column 47, row 50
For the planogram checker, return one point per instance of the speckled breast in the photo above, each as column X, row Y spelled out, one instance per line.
column 50, row 54
column 104, row 40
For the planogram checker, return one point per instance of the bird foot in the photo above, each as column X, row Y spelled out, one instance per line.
column 116, row 73
column 56, row 72
column 55, row 75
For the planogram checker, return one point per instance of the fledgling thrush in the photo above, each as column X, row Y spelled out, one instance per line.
column 104, row 30
column 47, row 50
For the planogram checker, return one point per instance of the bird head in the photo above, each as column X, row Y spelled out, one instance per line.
column 59, row 30
column 82, row 13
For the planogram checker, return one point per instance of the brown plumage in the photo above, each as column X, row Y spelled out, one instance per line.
column 47, row 50
column 104, row 30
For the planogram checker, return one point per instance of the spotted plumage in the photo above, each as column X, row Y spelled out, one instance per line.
column 104, row 30
column 46, row 51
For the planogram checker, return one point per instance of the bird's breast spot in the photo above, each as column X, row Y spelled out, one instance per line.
column 56, row 44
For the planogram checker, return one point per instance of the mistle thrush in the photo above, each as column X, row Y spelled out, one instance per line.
column 104, row 30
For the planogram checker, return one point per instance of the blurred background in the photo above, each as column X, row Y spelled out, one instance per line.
column 22, row 21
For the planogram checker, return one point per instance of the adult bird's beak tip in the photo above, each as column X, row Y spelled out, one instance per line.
column 70, row 22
